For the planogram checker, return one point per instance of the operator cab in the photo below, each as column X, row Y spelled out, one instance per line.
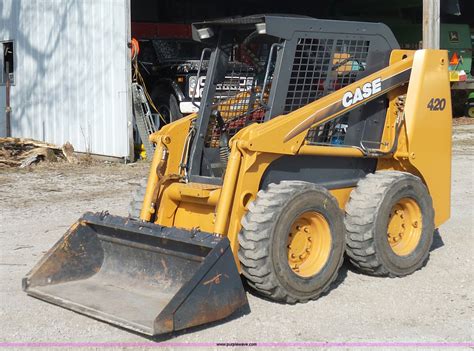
column 265, row 66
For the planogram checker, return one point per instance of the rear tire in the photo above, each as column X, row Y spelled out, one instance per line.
column 277, row 257
column 136, row 203
column 389, row 224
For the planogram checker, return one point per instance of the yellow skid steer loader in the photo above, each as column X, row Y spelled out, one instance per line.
column 314, row 138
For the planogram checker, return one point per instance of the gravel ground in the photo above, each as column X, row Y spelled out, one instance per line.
column 434, row 304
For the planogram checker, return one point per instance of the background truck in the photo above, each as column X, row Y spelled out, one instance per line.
column 175, row 73
column 169, row 67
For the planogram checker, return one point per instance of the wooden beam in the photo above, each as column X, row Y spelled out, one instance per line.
column 431, row 24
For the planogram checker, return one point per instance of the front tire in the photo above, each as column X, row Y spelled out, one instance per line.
column 292, row 241
column 470, row 109
column 167, row 106
column 389, row 224
column 136, row 203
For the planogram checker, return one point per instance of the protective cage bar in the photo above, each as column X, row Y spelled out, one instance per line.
column 314, row 58
column 239, row 97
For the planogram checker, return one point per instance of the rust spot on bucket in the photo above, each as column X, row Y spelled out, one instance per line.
column 215, row 280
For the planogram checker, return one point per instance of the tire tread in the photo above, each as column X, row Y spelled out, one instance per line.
column 254, row 239
column 360, row 218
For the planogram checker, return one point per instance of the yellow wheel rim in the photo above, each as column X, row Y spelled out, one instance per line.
column 404, row 227
column 470, row 112
column 309, row 244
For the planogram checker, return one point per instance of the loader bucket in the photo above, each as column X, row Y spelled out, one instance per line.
column 140, row 276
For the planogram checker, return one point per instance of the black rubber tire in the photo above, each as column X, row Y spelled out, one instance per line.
column 263, row 240
column 470, row 109
column 167, row 105
column 138, row 194
column 366, row 220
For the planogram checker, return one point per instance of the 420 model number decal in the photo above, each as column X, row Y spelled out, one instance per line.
column 436, row 104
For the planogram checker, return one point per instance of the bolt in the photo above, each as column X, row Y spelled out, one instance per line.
column 415, row 224
column 306, row 230
column 298, row 227
column 293, row 256
column 310, row 239
column 301, row 257
column 308, row 250
column 403, row 225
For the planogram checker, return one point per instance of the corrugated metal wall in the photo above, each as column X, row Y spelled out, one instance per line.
column 72, row 72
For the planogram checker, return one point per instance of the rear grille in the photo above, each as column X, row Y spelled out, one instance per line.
column 309, row 72
column 320, row 67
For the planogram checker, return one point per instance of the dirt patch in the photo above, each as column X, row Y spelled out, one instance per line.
column 463, row 139
column 460, row 121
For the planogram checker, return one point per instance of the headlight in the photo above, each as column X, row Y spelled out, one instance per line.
column 192, row 82
column 193, row 86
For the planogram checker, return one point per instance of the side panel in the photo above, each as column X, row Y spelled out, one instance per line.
column 7, row 32
column 330, row 172
column 428, row 121
column 72, row 72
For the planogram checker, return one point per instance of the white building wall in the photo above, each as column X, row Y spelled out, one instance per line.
column 72, row 72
